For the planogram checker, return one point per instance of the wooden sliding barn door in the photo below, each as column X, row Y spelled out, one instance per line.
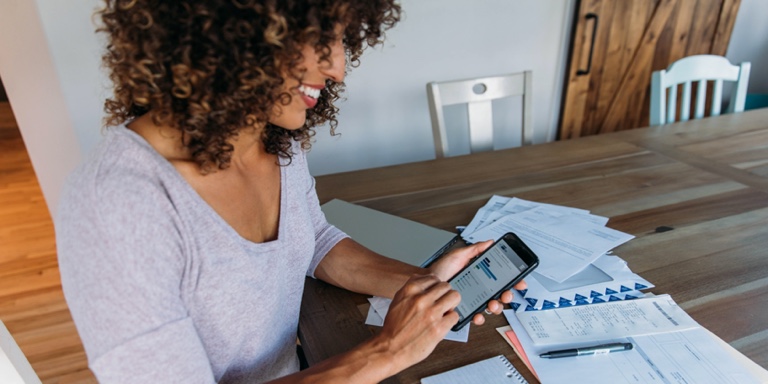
column 617, row 44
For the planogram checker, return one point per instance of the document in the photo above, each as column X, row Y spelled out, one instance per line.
column 566, row 243
column 493, row 370
column 509, row 336
column 690, row 356
column 606, row 321
column 500, row 206
column 607, row 277
column 520, row 304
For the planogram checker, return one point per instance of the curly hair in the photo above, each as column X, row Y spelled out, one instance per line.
column 210, row 68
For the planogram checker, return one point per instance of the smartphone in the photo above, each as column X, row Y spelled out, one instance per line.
column 494, row 271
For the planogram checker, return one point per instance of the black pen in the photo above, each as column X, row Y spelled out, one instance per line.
column 596, row 350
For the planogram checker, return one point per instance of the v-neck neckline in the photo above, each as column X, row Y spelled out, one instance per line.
column 199, row 201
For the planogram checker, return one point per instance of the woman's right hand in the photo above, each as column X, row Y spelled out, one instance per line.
column 419, row 317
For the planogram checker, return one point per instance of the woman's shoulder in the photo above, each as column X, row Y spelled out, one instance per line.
column 117, row 152
column 121, row 163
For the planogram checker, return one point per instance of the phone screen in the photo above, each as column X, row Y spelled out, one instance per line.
column 492, row 272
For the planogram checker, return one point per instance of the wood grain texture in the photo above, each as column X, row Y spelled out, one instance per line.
column 634, row 38
column 32, row 304
column 706, row 179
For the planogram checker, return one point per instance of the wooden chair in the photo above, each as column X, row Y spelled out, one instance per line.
column 478, row 94
column 700, row 69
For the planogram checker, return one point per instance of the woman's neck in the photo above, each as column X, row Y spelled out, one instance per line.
column 167, row 141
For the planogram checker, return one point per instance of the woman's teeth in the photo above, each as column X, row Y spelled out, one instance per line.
column 309, row 91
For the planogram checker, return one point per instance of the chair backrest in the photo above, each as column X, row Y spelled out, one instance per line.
column 699, row 69
column 479, row 94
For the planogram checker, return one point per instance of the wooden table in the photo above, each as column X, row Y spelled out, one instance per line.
column 707, row 179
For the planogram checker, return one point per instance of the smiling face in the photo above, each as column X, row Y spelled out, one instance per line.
column 314, row 72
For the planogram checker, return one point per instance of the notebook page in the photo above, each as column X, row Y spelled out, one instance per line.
column 494, row 370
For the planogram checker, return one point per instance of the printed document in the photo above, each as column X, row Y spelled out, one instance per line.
column 691, row 356
column 500, row 206
column 605, row 321
column 608, row 278
column 566, row 243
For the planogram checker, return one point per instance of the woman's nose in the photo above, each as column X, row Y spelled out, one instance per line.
column 336, row 65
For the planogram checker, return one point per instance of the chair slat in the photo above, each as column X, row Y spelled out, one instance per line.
column 717, row 97
column 685, row 108
column 481, row 122
column 701, row 99
column 672, row 104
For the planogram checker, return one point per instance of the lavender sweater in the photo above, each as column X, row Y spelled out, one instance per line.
column 163, row 290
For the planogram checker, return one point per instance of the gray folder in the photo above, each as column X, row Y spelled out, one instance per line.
column 402, row 239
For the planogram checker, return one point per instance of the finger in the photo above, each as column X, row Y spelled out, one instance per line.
column 480, row 247
column 507, row 296
column 448, row 299
column 430, row 291
column 521, row 285
column 450, row 319
column 419, row 283
column 494, row 307
column 473, row 250
column 479, row 319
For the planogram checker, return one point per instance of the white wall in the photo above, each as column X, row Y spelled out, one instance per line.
column 385, row 119
column 76, row 52
column 749, row 42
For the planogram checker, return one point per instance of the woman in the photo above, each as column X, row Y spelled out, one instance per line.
column 185, row 239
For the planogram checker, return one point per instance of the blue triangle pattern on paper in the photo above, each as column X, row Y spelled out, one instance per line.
column 529, row 308
column 624, row 289
column 629, row 297
column 595, row 294
column 609, row 291
column 613, row 298
column 514, row 306
column 563, row 300
column 582, row 302
column 639, row 286
column 565, row 304
column 522, row 292
column 531, row 301
column 547, row 304
column 597, row 300
column 579, row 297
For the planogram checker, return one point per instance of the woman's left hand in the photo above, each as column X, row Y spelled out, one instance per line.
column 451, row 263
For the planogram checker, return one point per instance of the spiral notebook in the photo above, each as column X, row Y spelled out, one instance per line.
column 494, row 370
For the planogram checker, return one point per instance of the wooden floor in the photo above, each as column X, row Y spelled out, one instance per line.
column 32, row 305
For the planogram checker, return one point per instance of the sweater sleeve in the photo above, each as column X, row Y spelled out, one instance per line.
column 122, row 262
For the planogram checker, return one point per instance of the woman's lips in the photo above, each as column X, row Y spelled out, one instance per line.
column 310, row 101
column 310, row 94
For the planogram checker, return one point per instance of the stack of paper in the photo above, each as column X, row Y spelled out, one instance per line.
column 668, row 345
column 577, row 269
column 607, row 279
column 574, row 246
